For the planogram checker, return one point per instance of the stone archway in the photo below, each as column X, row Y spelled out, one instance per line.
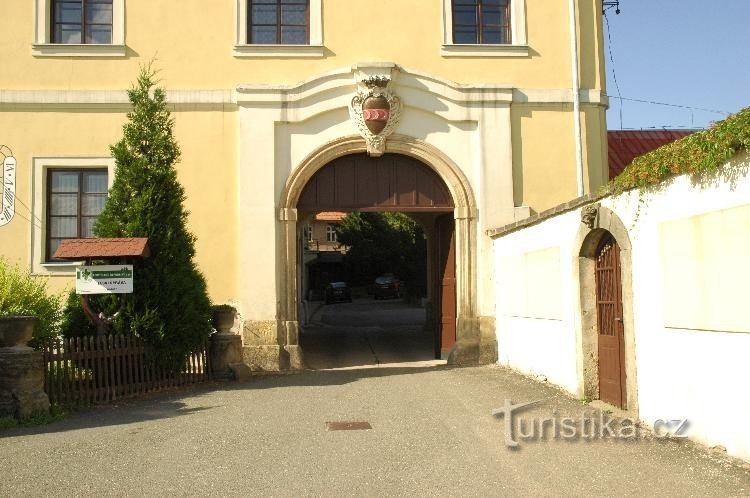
column 467, row 348
column 604, row 223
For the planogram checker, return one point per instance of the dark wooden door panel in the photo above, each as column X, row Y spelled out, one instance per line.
column 611, row 343
column 367, row 185
column 388, row 183
column 385, row 194
column 408, row 186
column 447, row 282
column 346, row 183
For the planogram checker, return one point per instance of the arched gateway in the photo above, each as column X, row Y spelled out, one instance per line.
column 412, row 177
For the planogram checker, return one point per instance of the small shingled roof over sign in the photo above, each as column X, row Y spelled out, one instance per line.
column 77, row 249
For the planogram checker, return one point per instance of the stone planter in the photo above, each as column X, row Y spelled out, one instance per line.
column 16, row 331
column 21, row 370
column 223, row 319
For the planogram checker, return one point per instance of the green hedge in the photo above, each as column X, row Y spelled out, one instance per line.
column 22, row 294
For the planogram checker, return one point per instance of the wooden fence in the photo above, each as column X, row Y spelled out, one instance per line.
column 85, row 370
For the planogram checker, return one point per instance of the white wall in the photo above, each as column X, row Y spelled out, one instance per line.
column 534, row 288
column 691, row 304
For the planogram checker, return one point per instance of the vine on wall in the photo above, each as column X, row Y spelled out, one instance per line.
column 699, row 155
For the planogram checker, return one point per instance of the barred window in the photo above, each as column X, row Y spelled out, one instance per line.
column 278, row 22
column 481, row 22
column 75, row 198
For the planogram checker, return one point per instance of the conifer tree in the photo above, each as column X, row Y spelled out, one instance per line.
column 169, row 307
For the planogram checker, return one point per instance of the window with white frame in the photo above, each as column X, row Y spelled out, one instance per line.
column 82, row 21
column 278, row 22
column 279, row 28
column 69, row 193
column 79, row 28
column 490, row 28
column 331, row 235
column 481, row 21
column 75, row 199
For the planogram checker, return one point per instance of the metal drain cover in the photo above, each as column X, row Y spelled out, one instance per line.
column 348, row 426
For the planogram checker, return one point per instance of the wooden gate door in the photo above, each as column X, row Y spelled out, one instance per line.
column 611, row 332
column 446, row 237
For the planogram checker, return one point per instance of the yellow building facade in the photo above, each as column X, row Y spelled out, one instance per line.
column 503, row 100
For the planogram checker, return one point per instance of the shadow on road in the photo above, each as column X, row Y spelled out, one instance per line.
column 152, row 407
column 177, row 403
column 364, row 339
column 332, row 377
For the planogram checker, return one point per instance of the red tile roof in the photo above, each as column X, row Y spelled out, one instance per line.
column 329, row 216
column 102, row 248
column 626, row 145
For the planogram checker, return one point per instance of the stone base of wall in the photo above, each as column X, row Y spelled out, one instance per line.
column 273, row 358
column 466, row 350
column 22, row 383
column 260, row 333
column 261, row 351
column 265, row 358
column 296, row 358
column 477, row 343
column 488, row 340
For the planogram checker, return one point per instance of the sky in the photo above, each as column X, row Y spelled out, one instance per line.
column 685, row 52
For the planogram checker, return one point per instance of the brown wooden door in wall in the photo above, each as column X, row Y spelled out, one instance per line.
column 446, row 267
column 611, row 332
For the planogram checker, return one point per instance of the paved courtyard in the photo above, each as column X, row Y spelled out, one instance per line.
column 433, row 433
column 368, row 333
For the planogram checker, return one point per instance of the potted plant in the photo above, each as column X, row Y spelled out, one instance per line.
column 223, row 317
column 16, row 331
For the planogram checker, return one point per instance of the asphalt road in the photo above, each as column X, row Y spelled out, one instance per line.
column 433, row 433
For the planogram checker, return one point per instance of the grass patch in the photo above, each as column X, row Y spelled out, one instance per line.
column 8, row 423
column 55, row 414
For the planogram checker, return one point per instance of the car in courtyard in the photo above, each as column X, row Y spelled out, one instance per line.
column 337, row 292
column 387, row 286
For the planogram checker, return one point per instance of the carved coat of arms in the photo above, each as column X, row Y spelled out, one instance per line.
column 376, row 112
column 8, row 204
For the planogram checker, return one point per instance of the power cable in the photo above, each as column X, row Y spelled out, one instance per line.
column 654, row 102
column 612, row 61
column 608, row 6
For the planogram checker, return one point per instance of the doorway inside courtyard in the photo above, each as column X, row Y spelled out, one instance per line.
column 376, row 264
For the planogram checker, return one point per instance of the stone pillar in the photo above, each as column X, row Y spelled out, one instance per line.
column 273, row 346
column 226, row 351
column 466, row 351
column 293, row 349
column 21, row 370
column 289, row 320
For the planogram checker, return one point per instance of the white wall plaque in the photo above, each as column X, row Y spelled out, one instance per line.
column 104, row 279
